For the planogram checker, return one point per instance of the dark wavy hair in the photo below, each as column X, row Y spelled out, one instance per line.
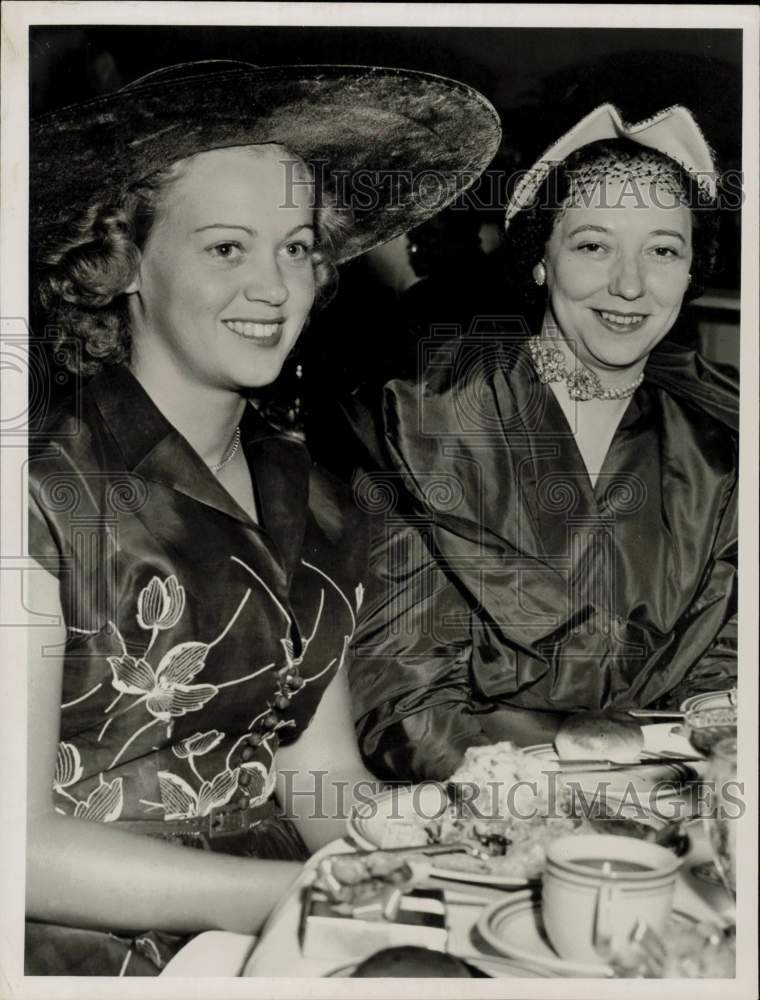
column 530, row 230
column 81, row 282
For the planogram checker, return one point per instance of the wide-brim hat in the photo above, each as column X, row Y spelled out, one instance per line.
column 397, row 145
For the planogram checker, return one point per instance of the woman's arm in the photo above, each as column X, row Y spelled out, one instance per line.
column 88, row 874
column 707, row 638
column 321, row 775
column 410, row 671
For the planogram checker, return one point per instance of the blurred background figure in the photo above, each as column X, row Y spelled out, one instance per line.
column 459, row 284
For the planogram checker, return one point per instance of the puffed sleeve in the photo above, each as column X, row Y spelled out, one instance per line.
column 43, row 544
column 409, row 670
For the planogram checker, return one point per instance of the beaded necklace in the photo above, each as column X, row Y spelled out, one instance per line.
column 232, row 451
column 582, row 384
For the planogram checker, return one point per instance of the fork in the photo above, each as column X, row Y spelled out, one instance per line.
column 457, row 847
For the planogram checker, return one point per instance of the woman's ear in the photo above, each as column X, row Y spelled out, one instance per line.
column 136, row 283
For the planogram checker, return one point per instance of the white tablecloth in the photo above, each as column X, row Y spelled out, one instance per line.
column 277, row 954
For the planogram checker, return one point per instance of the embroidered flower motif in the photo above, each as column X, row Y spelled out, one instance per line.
column 197, row 744
column 160, row 604
column 167, row 691
column 180, row 801
column 104, row 804
column 68, row 766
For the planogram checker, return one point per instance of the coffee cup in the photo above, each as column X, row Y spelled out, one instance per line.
column 597, row 887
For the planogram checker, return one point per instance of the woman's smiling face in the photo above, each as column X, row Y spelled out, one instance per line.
column 226, row 278
column 617, row 270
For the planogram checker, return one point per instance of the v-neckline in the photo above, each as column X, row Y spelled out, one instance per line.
column 592, row 488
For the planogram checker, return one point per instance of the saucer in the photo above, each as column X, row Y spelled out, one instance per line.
column 514, row 928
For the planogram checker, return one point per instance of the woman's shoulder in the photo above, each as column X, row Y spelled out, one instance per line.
column 698, row 384
column 65, row 438
column 448, row 397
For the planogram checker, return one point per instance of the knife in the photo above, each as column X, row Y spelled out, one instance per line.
column 643, row 713
column 615, row 765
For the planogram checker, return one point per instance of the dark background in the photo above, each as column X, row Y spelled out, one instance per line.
column 542, row 81
column 562, row 71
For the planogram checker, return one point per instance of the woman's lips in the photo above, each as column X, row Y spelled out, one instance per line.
column 267, row 333
column 620, row 322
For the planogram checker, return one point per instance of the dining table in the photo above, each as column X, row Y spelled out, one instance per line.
column 276, row 952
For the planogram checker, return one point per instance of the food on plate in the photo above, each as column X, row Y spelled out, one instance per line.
column 502, row 801
column 602, row 735
column 689, row 951
column 355, row 879
column 411, row 961
column 706, row 727
column 672, row 835
column 704, row 952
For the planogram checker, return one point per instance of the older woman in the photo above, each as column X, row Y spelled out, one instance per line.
column 201, row 579
column 556, row 518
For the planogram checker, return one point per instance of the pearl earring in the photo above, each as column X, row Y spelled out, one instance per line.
column 539, row 273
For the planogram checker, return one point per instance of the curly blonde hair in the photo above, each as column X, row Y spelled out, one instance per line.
column 82, row 283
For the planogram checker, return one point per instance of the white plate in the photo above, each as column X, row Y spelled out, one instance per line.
column 710, row 699
column 659, row 739
column 380, row 824
column 514, row 928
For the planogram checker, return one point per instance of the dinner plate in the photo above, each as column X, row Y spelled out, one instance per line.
column 387, row 821
column 514, row 928
column 710, row 699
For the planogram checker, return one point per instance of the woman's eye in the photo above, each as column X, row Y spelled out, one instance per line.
column 592, row 248
column 665, row 253
column 226, row 251
column 298, row 251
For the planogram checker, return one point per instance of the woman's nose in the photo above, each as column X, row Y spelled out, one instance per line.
column 626, row 279
column 264, row 283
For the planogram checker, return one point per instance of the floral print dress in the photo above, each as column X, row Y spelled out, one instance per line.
column 197, row 641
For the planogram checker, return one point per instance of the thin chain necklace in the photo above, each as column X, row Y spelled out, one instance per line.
column 582, row 384
column 232, row 450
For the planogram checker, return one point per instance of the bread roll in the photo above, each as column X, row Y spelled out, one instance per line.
column 599, row 736
column 413, row 962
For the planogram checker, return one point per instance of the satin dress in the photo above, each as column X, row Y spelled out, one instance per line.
column 505, row 590
column 198, row 641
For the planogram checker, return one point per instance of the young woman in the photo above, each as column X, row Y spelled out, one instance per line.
column 569, row 487
column 201, row 579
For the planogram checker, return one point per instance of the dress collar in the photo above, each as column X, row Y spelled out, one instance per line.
column 154, row 449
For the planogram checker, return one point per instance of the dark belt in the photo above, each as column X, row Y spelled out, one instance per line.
column 224, row 821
